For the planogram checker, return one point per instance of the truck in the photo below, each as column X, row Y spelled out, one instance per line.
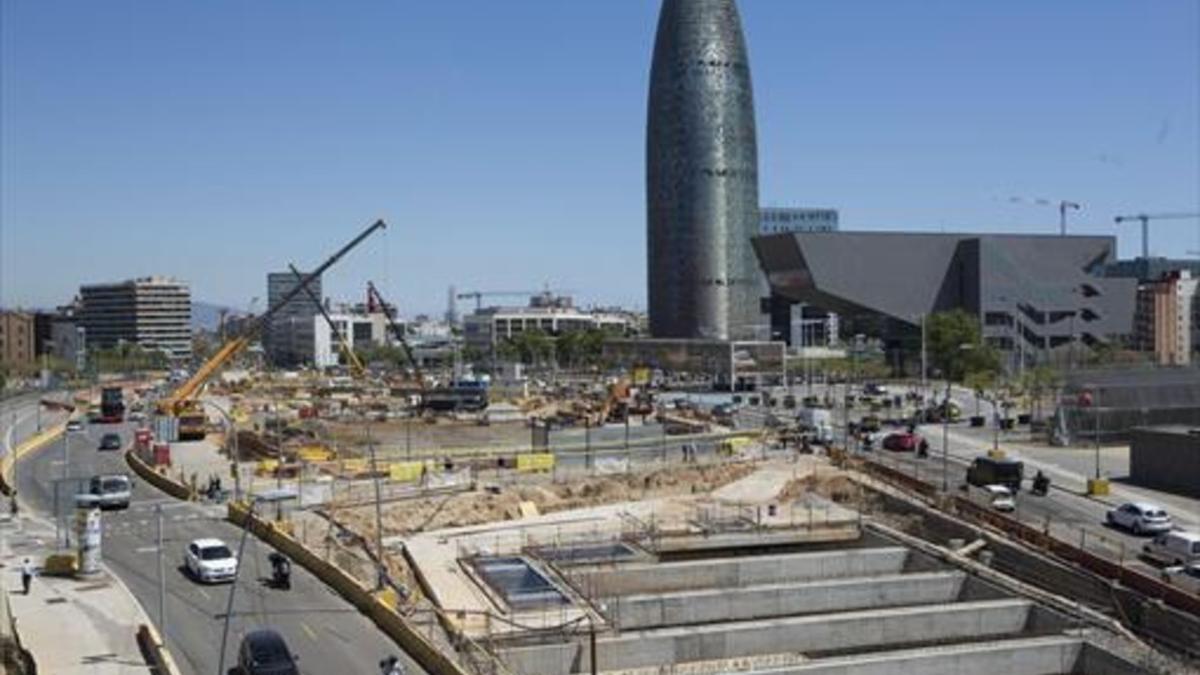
column 986, row 471
column 817, row 421
column 112, row 405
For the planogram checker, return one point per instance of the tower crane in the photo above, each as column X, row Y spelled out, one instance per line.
column 352, row 360
column 1145, row 219
column 373, row 293
column 182, row 400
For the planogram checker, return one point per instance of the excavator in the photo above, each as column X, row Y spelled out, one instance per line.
column 182, row 403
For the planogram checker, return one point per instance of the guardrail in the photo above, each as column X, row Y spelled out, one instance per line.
column 391, row 622
column 159, row 480
column 155, row 651
column 9, row 460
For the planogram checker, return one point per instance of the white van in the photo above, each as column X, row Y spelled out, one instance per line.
column 114, row 490
column 995, row 497
column 1174, row 548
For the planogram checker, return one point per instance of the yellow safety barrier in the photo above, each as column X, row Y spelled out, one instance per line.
column 8, row 461
column 316, row 453
column 354, row 466
column 406, row 472
column 266, row 467
column 163, row 482
column 535, row 462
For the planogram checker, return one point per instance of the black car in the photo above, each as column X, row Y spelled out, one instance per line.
column 110, row 442
column 263, row 652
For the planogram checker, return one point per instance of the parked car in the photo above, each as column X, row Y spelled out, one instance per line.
column 1174, row 548
column 1186, row 577
column 110, row 442
column 74, row 425
column 1140, row 518
column 901, row 442
column 263, row 652
column 114, row 490
column 210, row 560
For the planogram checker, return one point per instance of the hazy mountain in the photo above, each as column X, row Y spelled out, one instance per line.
column 207, row 316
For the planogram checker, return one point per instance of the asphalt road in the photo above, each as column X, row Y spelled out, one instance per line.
column 327, row 633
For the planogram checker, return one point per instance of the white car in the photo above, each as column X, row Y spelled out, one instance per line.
column 1001, row 498
column 210, row 561
column 1186, row 578
column 74, row 425
column 1140, row 518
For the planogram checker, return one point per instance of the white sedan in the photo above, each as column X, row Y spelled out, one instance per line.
column 1185, row 577
column 1140, row 518
column 210, row 561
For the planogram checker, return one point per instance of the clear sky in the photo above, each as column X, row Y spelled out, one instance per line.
column 503, row 141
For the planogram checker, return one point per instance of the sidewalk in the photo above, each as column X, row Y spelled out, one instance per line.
column 71, row 626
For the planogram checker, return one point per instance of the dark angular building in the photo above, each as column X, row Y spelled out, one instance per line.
column 702, row 176
column 1033, row 294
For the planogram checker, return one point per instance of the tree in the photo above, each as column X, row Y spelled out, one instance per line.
column 979, row 382
column 954, row 345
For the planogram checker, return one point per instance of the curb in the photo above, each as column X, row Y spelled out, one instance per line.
column 9, row 461
column 162, row 482
column 156, row 651
column 391, row 622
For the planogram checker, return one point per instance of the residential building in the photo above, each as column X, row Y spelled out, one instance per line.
column 1036, row 296
column 154, row 313
column 546, row 312
column 17, row 339
column 1168, row 318
column 289, row 336
column 776, row 220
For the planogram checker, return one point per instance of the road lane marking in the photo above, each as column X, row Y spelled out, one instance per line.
column 146, row 549
column 312, row 635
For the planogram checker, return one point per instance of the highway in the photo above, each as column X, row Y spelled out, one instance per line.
column 327, row 633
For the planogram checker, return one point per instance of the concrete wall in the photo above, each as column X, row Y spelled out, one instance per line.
column 820, row 633
column 1096, row 661
column 755, row 602
column 1038, row 656
column 1165, row 460
column 738, row 572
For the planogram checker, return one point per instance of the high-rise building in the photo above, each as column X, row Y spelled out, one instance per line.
column 288, row 338
column 702, row 176
column 776, row 220
column 1167, row 320
column 154, row 313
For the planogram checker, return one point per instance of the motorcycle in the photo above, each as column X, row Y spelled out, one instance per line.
column 1041, row 485
column 281, row 571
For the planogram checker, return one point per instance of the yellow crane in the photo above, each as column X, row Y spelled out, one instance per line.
column 352, row 360
column 181, row 403
column 398, row 331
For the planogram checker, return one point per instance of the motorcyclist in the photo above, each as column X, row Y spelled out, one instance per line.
column 391, row 666
column 281, row 569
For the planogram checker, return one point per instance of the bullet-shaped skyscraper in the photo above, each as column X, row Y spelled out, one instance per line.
column 702, row 176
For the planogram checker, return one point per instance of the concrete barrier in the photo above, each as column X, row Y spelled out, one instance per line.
column 161, row 481
column 152, row 645
column 9, row 460
column 404, row 634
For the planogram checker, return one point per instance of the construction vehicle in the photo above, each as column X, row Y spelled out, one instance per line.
column 356, row 365
column 182, row 403
column 1145, row 219
column 398, row 331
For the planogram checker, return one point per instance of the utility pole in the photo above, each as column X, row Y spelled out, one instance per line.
column 924, row 359
column 379, row 576
column 946, row 439
column 162, row 579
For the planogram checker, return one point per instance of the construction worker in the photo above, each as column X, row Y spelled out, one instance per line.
column 26, row 575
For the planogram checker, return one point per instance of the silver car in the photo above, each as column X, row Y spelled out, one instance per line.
column 1140, row 518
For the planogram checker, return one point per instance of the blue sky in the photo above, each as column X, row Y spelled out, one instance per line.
column 503, row 141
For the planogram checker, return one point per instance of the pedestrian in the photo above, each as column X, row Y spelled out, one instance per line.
column 26, row 575
column 12, row 504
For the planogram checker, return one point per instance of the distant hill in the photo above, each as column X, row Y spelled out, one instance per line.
column 207, row 316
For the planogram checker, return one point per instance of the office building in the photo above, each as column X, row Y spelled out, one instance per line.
column 362, row 331
column 1168, row 318
column 776, row 220
column 1146, row 270
column 289, row 337
column 16, row 339
column 548, row 313
column 1034, row 295
column 701, row 176
column 154, row 313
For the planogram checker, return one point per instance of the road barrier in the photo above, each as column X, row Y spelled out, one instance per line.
column 391, row 622
column 9, row 460
column 161, row 481
column 155, row 651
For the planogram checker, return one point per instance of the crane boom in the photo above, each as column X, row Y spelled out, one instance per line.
column 1145, row 219
column 178, row 398
column 356, row 365
column 398, row 331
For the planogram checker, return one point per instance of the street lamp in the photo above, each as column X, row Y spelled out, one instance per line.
column 233, row 451
column 964, row 347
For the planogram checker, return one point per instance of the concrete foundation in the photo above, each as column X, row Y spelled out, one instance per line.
column 758, row 602
column 736, row 572
column 807, row 634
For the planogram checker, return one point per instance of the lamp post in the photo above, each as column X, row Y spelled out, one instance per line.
column 234, row 455
column 946, row 425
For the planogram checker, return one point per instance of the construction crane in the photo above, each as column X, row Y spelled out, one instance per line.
column 352, row 360
column 1145, row 219
column 183, row 397
column 398, row 331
